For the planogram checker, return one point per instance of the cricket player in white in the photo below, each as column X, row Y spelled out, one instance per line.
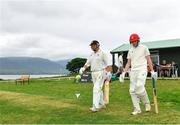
column 99, row 62
column 138, row 59
column 120, row 60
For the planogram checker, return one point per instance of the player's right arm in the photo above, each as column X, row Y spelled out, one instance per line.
column 87, row 64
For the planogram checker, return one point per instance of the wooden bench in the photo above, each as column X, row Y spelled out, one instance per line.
column 23, row 79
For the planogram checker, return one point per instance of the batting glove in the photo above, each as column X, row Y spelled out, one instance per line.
column 154, row 75
column 82, row 69
column 107, row 75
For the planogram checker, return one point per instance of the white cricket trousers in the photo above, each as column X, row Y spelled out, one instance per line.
column 98, row 82
column 137, row 88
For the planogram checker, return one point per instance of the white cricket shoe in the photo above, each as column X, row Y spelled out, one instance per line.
column 147, row 107
column 93, row 109
column 135, row 112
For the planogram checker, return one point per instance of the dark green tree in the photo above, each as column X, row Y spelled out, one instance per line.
column 75, row 64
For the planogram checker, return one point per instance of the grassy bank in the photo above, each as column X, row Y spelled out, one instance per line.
column 53, row 101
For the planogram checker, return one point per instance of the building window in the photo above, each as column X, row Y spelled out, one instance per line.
column 155, row 59
column 155, row 56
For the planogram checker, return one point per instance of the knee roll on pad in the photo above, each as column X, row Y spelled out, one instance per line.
column 139, row 90
column 131, row 91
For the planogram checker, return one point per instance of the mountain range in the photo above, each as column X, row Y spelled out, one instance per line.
column 31, row 65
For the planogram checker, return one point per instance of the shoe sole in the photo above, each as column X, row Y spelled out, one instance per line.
column 136, row 114
column 93, row 111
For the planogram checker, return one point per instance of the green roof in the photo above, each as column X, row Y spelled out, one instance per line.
column 151, row 45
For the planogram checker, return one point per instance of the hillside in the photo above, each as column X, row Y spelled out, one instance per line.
column 30, row 65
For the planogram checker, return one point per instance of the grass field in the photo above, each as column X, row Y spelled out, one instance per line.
column 47, row 101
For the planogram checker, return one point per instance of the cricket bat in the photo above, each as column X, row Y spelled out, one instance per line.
column 106, row 92
column 155, row 95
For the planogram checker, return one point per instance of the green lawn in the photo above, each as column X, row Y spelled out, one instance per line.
column 53, row 101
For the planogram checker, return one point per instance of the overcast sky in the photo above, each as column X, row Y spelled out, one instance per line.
column 62, row 29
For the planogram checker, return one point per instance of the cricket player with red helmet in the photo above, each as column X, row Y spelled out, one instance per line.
column 138, row 59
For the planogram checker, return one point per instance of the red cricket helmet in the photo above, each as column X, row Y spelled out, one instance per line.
column 133, row 38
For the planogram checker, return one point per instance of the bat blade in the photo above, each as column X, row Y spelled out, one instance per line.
column 106, row 92
column 155, row 96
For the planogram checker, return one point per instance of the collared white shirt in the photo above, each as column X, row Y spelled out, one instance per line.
column 138, row 57
column 98, row 61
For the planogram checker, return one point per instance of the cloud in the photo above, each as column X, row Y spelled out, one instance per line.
column 71, row 25
column 40, row 45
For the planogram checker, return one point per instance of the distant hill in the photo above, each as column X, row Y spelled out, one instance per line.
column 63, row 63
column 31, row 65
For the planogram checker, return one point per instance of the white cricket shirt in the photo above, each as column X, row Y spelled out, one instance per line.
column 97, row 61
column 138, row 57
